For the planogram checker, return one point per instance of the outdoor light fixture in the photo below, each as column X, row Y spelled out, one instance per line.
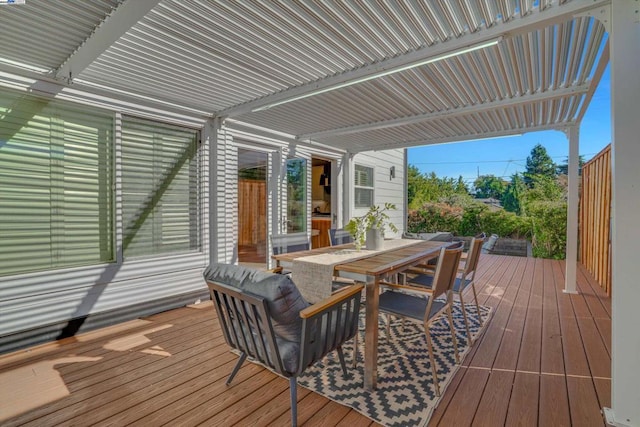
column 392, row 172
column 383, row 73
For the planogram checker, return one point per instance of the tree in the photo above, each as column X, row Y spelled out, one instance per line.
column 539, row 163
column 424, row 188
column 461, row 187
column 514, row 194
column 487, row 186
column 563, row 169
column 545, row 189
column 414, row 181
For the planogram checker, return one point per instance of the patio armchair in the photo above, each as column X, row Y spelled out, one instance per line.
column 264, row 317
column 426, row 305
column 465, row 279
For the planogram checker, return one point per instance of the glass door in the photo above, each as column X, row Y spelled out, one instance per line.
column 252, row 207
column 296, row 195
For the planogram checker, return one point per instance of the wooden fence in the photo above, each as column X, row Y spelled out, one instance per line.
column 595, row 218
column 252, row 211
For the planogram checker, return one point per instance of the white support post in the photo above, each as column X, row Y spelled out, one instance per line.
column 572, row 212
column 625, row 125
column 210, row 142
column 347, row 187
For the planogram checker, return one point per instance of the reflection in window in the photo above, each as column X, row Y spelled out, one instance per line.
column 56, row 181
column 160, row 197
column 296, row 195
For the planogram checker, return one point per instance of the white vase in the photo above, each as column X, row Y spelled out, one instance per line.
column 374, row 239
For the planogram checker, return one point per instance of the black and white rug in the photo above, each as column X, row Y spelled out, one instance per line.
column 405, row 395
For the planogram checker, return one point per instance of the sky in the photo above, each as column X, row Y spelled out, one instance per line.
column 504, row 157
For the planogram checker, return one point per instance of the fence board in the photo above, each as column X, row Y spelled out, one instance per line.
column 595, row 216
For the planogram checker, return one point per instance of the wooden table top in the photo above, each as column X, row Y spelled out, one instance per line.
column 393, row 260
column 378, row 263
column 290, row 256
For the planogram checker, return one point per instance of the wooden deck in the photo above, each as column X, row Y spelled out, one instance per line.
column 544, row 360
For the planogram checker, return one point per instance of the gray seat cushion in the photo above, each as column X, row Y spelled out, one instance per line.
column 283, row 298
column 406, row 305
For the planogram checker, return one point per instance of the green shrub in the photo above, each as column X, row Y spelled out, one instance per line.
column 545, row 225
column 470, row 220
column 506, row 224
column 433, row 217
column 549, row 221
column 471, row 223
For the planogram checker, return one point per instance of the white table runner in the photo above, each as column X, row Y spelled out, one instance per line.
column 313, row 274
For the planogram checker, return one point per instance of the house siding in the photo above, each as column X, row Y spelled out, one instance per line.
column 386, row 189
column 41, row 306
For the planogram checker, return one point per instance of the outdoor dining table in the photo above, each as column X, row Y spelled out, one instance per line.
column 370, row 268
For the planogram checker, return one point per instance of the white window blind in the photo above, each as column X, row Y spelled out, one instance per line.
column 161, row 209
column 56, row 177
column 363, row 186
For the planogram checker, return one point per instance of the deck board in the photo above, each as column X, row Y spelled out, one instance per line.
column 492, row 409
column 543, row 360
column 552, row 359
column 523, row 405
column 554, row 404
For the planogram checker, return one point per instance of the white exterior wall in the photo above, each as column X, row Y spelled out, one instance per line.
column 39, row 299
column 386, row 189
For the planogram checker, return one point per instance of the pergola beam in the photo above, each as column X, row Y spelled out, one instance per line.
column 473, row 137
column 470, row 109
column 533, row 21
column 112, row 28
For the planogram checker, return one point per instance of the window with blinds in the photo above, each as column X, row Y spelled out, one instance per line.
column 160, row 197
column 363, row 186
column 56, row 180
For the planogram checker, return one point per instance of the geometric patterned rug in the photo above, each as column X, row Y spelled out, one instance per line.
column 405, row 395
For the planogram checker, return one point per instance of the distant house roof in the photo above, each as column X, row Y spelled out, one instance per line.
column 494, row 204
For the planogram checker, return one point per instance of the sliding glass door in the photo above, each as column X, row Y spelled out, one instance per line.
column 296, row 195
column 252, row 207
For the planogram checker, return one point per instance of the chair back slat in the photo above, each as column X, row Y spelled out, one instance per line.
column 286, row 243
column 473, row 256
column 246, row 324
column 446, row 269
column 329, row 328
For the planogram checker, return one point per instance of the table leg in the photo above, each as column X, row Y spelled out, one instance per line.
column 371, row 335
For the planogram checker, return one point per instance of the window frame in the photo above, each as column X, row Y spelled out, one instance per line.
column 196, row 192
column 357, row 187
column 77, row 160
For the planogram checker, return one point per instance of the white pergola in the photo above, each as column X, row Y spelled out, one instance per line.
column 365, row 75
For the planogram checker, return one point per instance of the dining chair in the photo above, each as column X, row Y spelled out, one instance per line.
column 339, row 236
column 464, row 280
column 265, row 318
column 292, row 242
column 426, row 305
column 482, row 236
column 285, row 243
